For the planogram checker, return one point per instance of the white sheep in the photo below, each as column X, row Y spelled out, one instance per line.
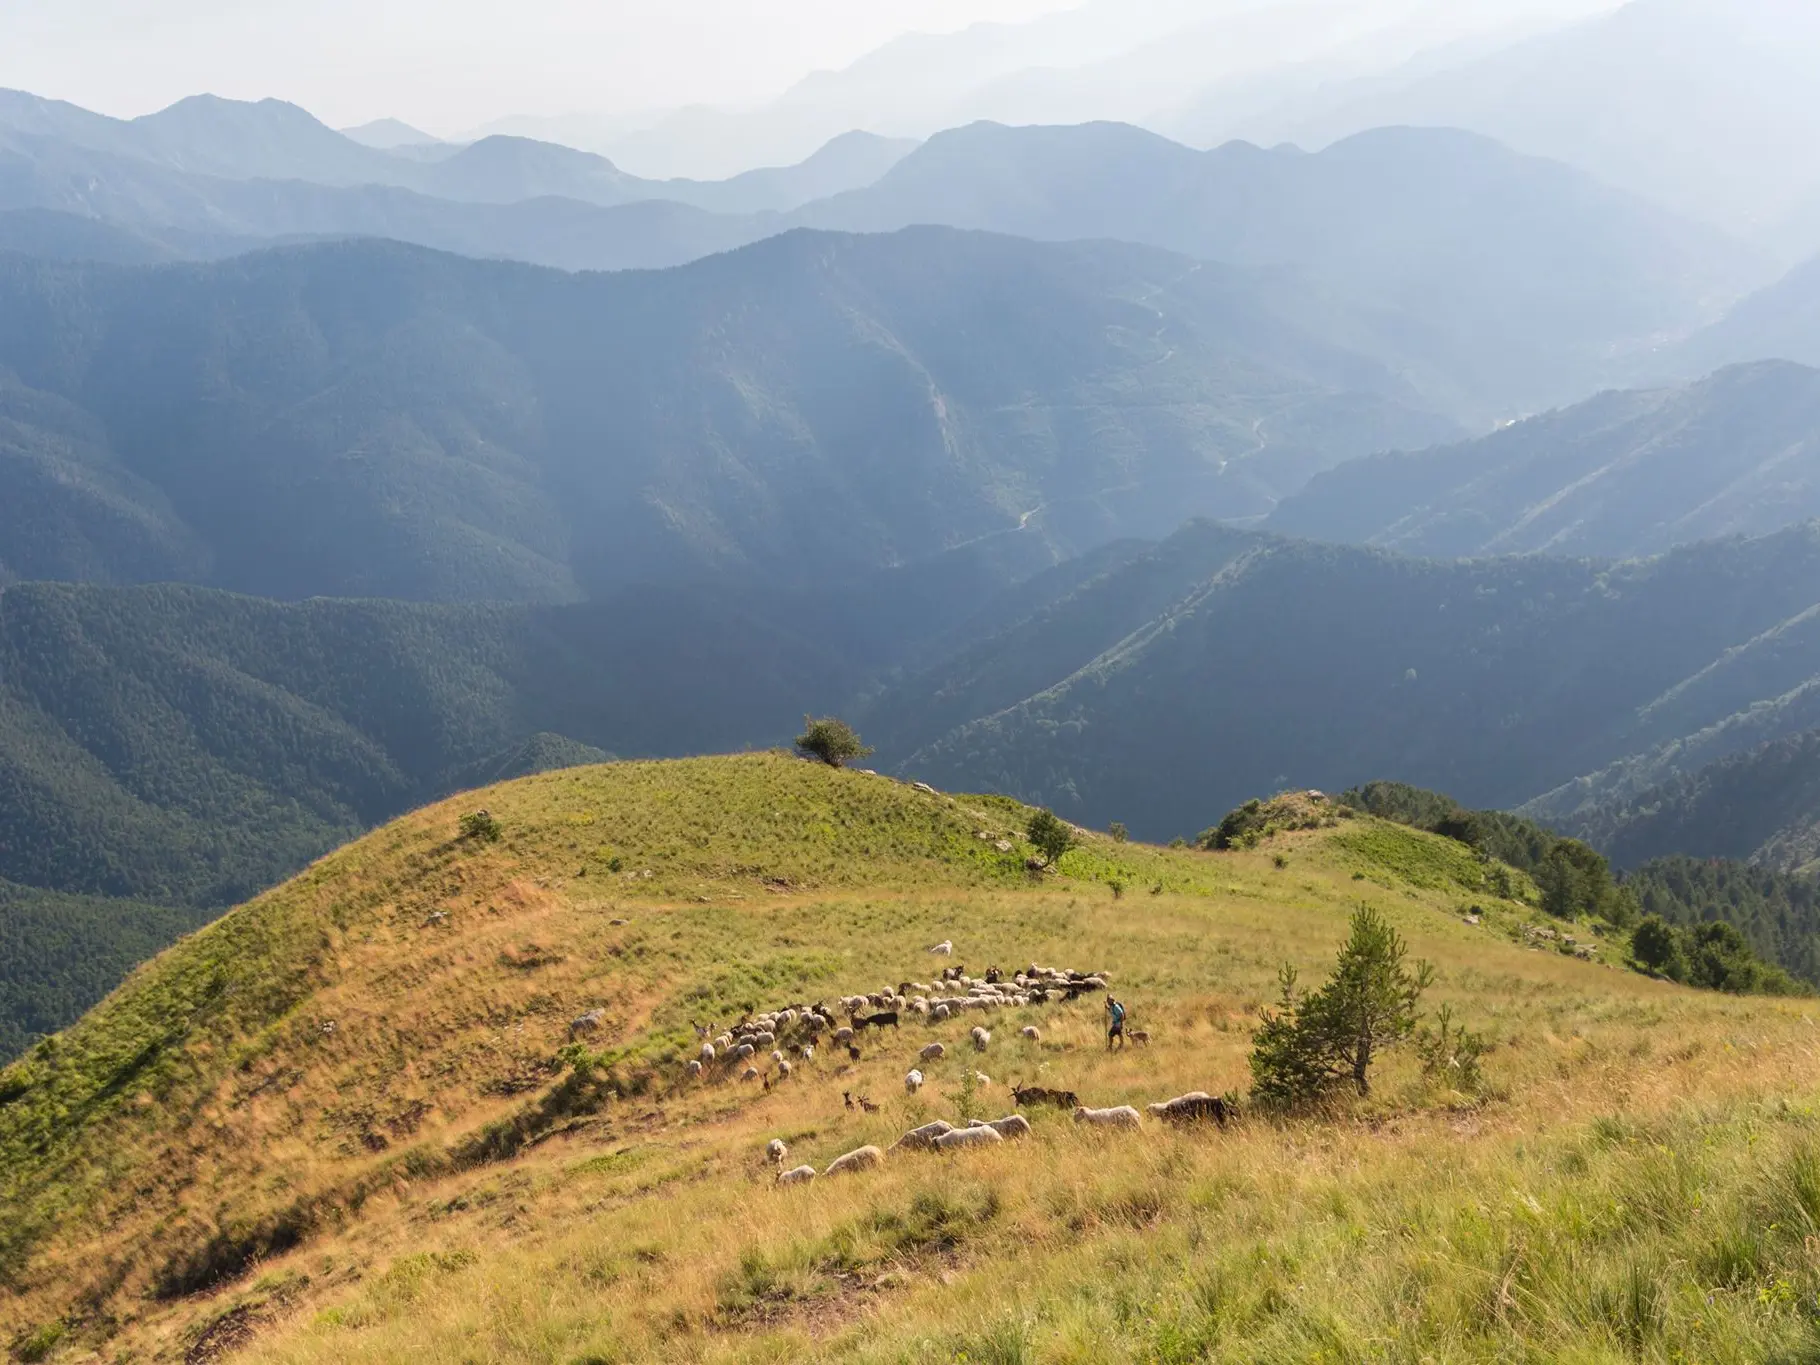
column 861, row 1159
column 694, row 1069
column 937, row 1013
column 775, row 1151
column 981, row 1039
column 777, row 1056
column 968, row 1137
column 842, row 1036
column 707, row 1054
column 749, row 1074
column 913, row 1082
column 923, row 1139
column 1032, row 1032
column 933, row 1053
column 982, row 1080
column 802, row 1175
column 944, row 948
column 587, row 1023
column 744, row 1052
column 765, row 1039
column 808, row 1052
column 1011, row 1126
column 1122, row 1117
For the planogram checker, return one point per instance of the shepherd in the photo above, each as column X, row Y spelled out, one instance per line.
column 1115, row 1023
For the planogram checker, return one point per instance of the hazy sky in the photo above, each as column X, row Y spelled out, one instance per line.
column 451, row 64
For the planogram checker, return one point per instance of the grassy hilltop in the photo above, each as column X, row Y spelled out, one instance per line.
column 343, row 1124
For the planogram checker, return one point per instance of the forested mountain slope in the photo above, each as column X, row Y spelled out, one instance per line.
column 1308, row 665
column 375, row 420
column 193, row 747
column 1760, row 806
column 1622, row 474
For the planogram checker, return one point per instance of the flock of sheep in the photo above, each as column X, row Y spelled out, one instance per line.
column 788, row 1037
column 783, row 1039
column 942, row 1136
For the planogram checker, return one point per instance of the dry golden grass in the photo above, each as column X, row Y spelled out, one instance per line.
column 1643, row 1184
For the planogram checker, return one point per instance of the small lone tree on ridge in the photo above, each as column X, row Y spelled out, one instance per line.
column 1315, row 1042
column 1051, row 836
column 831, row 740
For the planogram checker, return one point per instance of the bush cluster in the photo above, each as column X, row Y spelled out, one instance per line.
column 1715, row 956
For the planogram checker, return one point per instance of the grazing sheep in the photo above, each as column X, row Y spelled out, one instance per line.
column 862, row 1159
column 1036, row 1094
column 933, row 1053
column 842, row 1036
column 587, row 1023
column 923, row 1139
column 707, row 1054
column 777, row 1056
column 802, row 1175
column 943, row 949
column 775, row 1151
column 1032, row 1032
column 1122, row 1117
column 937, row 1013
column 749, row 1074
column 694, row 1069
column 886, row 1018
column 745, row 1052
column 981, row 1039
column 765, row 1039
column 783, row 1070
column 982, row 1080
column 968, row 1137
column 1011, row 1126
column 808, row 1052
column 913, row 1082
column 1195, row 1107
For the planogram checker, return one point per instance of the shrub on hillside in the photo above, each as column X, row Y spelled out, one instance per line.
column 1312, row 1044
column 1451, row 1053
column 1052, row 836
column 831, row 740
column 1256, row 821
column 480, row 827
column 1714, row 956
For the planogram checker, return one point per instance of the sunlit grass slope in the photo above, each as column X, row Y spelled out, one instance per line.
column 335, row 1126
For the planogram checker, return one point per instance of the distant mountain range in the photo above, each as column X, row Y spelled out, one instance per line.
column 1501, row 282
column 1705, row 106
column 1139, row 61
column 50, row 151
column 1623, row 474
column 367, row 419
column 1496, row 284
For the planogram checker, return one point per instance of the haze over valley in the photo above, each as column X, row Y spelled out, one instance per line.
column 539, row 550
